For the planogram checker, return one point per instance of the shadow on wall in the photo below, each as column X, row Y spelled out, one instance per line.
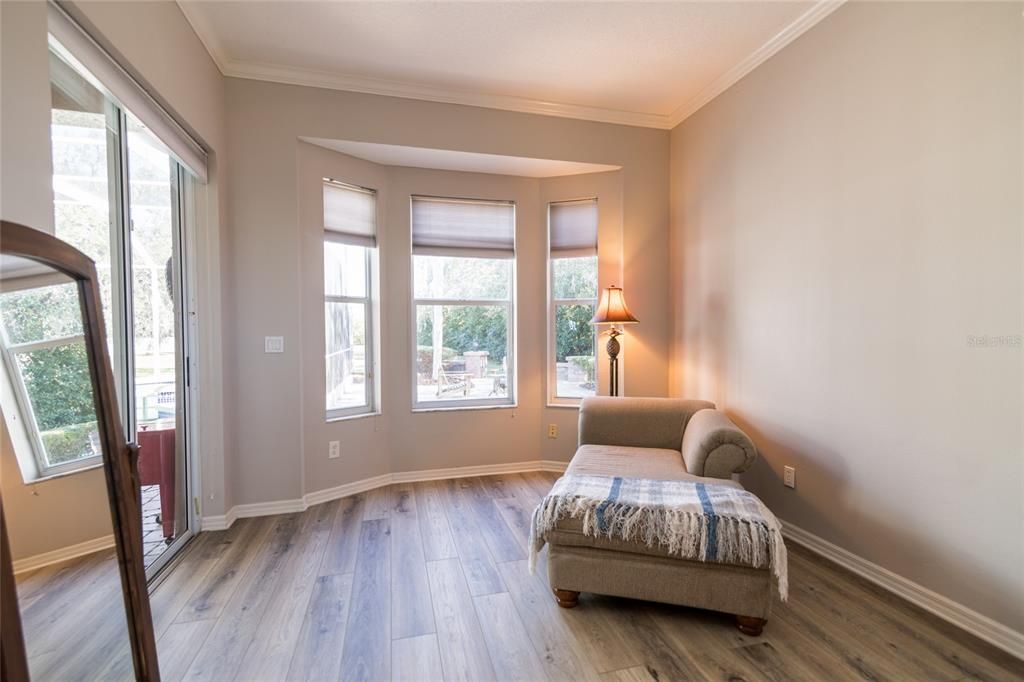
column 817, row 463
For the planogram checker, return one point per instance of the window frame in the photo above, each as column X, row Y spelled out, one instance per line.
column 555, row 400
column 370, row 303
column 510, row 400
column 24, row 403
column 370, row 350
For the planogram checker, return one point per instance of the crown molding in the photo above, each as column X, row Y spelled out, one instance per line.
column 803, row 23
column 290, row 75
column 374, row 86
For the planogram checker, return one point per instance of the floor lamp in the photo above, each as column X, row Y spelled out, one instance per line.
column 612, row 310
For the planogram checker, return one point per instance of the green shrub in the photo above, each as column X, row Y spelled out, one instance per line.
column 69, row 443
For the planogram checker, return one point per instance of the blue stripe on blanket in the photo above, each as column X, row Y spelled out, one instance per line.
column 613, row 495
column 711, row 553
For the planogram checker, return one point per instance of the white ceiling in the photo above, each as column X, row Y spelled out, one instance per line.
column 641, row 63
column 446, row 159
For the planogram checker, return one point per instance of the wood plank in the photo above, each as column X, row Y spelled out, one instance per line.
column 508, row 643
column 343, row 545
column 552, row 639
column 497, row 486
column 517, row 514
column 637, row 674
column 193, row 572
column 540, row 481
column 463, row 649
column 434, row 530
column 411, row 611
column 208, row 601
column 177, row 648
column 500, row 539
column 273, row 643
column 319, row 648
column 367, row 651
column 632, row 622
column 222, row 653
column 416, row 659
column 258, row 587
column 378, row 503
column 708, row 640
column 893, row 620
column 481, row 573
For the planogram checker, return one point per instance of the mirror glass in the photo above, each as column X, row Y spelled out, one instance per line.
column 53, row 483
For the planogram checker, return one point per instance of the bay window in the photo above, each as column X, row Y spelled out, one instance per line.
column 572, row 234
column 463, row 259
column 350, row 240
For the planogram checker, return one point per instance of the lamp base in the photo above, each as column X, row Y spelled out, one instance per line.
column 613, row 349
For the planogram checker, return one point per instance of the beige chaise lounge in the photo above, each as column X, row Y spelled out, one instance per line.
column 657, row 438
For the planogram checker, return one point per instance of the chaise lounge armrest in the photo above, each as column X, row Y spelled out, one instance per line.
column 714, row 446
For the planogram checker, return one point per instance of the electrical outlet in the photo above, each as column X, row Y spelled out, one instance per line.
column 552, row 430
column 789, row 476
column 334, row 450
column 273, row 344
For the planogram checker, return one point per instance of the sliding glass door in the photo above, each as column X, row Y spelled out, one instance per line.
column 120, row 197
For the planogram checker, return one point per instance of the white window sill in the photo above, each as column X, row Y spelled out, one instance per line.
column 64, row 474
column 461, row 408
column 353, row 417
column 571, row 406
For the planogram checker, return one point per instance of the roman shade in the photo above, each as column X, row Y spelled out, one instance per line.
column 78, row 48
column 350, row 214
column 573, row 226
column 463, row 227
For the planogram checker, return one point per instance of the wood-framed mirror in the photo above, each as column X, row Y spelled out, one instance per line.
column 87, row 617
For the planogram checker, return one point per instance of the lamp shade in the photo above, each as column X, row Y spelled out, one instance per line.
column 612, row 308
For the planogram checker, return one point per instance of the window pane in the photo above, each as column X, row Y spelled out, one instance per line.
column 461, row 352
column 153, row 263
column 80, row 141
column 344, row 270
column 574, row 351
column 575, row 278
column 43, row 313
column 346, row 355
column 60, row 392
column 448, row 277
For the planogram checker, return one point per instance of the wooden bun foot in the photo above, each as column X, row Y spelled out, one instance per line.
column 750, row 625
column 567, row 599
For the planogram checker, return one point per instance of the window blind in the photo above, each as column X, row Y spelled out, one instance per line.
column 79, row 49
column 350, row 214
column 573, row 226
column 463, row 227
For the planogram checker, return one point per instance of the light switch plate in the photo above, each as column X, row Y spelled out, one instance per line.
column 789, row 477
column 273, row 344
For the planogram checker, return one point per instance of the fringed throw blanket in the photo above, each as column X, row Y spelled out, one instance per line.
column 696, row 521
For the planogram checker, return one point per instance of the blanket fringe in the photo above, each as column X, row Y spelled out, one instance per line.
column 685, row 534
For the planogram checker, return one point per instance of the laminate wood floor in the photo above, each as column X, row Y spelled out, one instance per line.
column 428, row 581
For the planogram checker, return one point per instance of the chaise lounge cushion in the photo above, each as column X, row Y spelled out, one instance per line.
column 622, row 460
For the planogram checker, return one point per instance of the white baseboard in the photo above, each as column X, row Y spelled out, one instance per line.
column 242, row 511
column 981, row 626
column 31, row 563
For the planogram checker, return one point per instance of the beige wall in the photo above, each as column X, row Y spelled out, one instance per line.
column 158, row 42
column 277, row 401
column 400, row 440
column 844, row 219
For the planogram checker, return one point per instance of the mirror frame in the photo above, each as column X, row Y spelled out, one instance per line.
column 120, row 465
